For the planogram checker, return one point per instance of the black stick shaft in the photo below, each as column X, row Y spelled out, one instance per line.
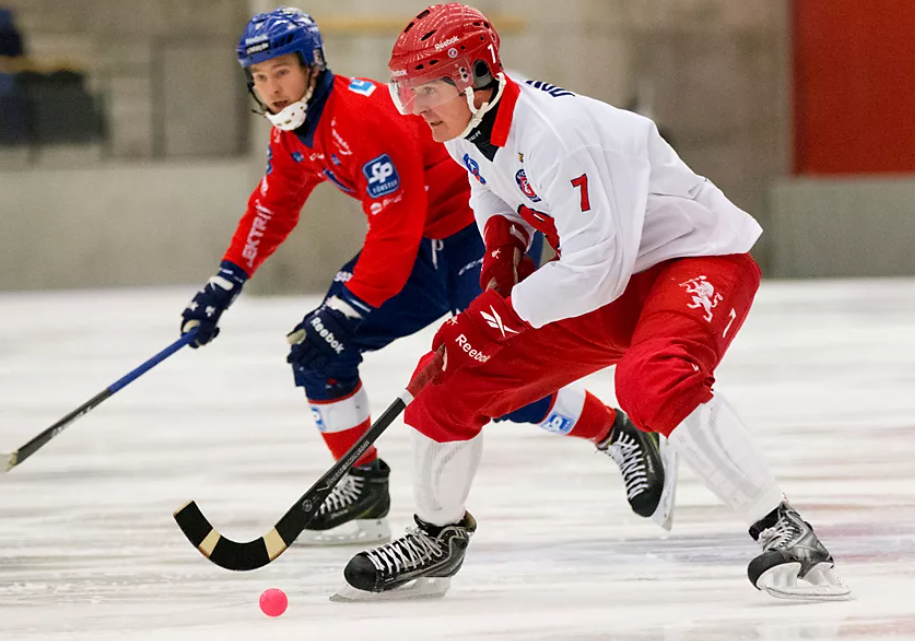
column 39, row 441
column 24, row 452
column 250, row 555
column 298, row 517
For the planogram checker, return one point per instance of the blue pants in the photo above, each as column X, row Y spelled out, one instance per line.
column 445, row 279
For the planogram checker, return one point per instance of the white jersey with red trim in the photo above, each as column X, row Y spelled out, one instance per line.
column 612, row 197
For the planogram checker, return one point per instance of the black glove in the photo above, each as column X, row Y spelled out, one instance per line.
column 327, row 333
column 207, row 306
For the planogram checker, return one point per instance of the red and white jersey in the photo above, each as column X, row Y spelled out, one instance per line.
column 611, row 196
column 355, row 138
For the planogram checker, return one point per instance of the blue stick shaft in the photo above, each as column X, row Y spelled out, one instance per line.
column 155, row 360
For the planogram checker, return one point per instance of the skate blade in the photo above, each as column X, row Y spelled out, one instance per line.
column 358, row 532
column 422, row 588
column 664, row 513
column 820, row 584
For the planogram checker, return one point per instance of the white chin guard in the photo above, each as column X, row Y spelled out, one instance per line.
column 290, row 117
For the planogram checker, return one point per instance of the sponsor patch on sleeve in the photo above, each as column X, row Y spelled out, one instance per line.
column 362, row 87
column 381, row 176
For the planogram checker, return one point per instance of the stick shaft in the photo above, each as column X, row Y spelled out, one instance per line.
column 250, row 555
column 24, row 452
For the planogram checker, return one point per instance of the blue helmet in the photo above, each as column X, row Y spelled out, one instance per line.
column 281, row 31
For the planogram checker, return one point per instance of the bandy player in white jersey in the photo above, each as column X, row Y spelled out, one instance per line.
column 652, row 276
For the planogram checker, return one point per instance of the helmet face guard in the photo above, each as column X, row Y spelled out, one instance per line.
column 419, row 93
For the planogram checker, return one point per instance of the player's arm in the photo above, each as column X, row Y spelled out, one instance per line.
column 486, row 206
column 390, row 179
column 273, row 208
column 506, row 236
column 598, row 214
column 272, row 213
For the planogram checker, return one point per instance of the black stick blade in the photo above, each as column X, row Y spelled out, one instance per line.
column 224, row 552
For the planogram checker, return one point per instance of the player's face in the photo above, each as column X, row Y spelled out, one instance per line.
column 447, row 118
column 280, row 81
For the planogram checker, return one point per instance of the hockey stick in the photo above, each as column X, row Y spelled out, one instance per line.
column 9, row 461
column 251, row 555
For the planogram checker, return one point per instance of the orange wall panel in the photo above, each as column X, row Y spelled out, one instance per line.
column 854, row 86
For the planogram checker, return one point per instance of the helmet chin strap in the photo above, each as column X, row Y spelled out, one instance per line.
column 293, row 116
column 476, row 115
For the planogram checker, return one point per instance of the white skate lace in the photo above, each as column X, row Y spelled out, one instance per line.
column 346, row 493
column 627, row 454
column 405, row 553
column 779, row 535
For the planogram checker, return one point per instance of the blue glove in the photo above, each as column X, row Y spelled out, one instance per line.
column 207, row 306
column 327, row 333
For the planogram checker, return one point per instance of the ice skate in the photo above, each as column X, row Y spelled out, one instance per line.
column 794, row 564
column 649, row 467
column 355, row 512
column 418, row 565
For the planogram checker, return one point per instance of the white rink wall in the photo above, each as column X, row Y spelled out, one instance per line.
column 712, row 72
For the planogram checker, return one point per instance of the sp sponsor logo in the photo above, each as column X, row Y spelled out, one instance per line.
column 474, row 168
column 381, row 176
column 703, row 294
column 525, row 185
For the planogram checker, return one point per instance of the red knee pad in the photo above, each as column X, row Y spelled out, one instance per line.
column 660, row 383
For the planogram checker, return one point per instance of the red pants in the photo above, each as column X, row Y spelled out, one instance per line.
column 666, row 335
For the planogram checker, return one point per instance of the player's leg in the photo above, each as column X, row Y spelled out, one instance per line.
column 422, row 562
column 647, row 465
column 664, row 381
column 448, row 418
column 355, row 512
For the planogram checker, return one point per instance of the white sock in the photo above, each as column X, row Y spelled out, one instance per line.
column 717, row 446
column 341, row 414
column 442, row 476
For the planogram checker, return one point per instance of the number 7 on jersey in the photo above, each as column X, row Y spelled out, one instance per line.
column 582, row 183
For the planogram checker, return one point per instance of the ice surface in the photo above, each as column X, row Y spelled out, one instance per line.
column 823, row 372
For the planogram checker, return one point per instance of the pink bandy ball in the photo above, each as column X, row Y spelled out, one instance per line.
column 273, row 602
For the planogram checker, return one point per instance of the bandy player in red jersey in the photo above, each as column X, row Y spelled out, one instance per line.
column 422, row 258
column 653, row 276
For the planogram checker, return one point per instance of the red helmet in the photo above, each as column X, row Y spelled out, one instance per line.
column 448, row 47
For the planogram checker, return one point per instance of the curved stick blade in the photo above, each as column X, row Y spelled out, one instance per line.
column 224, row 552
column 8, row 461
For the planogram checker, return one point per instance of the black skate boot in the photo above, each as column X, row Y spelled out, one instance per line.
column 649, row 468
column 791, row 551
column 420, row 564
column 356, row 510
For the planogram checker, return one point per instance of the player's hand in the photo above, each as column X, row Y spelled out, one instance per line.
column 505, row 243
column 478, row 333
column 327, row 333
column 209, row 303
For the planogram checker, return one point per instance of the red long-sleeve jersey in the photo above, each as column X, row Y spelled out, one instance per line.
column 355, row 138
